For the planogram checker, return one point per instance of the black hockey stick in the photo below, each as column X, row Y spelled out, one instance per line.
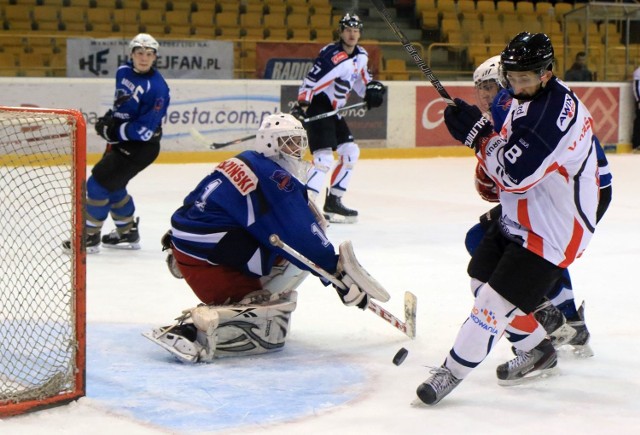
column 410, row 301
column 413, row 53
column 215, row 145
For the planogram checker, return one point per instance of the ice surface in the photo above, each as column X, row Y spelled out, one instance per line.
column 335, row 375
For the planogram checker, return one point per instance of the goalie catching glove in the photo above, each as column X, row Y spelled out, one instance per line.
column 374, row 94
column 107, row 128
column 357, row 284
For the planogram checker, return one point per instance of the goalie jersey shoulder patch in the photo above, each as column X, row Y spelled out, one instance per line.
column 240, row 175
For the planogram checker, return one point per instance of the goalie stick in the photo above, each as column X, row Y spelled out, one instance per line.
column 215, row 145
column 410, row 301
column 428, row 73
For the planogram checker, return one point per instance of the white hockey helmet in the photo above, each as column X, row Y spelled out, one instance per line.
column 143, row 40
column 281, row 134
column 488, row 70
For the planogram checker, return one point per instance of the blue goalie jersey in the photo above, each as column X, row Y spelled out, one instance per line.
column 228, row 218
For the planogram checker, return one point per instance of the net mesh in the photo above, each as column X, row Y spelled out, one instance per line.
column 38, row 325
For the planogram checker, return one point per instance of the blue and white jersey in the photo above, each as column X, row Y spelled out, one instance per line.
column 140, row 103
column 545, row 159
column 228, row 218
column 336, row 73
column 499, row 110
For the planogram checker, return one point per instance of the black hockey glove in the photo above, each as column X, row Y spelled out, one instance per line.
column 374, row 94
column 298, row 112
column 466, row 123
column 107, row 127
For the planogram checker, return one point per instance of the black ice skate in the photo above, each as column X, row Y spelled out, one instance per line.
column 539, row 361
column 553, row 321
column 434, row 389
column 92, row 244
column 580, row 342
column 336, row 212
column 128, row 240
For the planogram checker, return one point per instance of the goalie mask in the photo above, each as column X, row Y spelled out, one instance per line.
column 283, row 139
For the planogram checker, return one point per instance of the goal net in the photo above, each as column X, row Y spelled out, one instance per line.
column 42, row 289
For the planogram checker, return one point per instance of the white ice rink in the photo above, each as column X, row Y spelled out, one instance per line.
column 335, row 374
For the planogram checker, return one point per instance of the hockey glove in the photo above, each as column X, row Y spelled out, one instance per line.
column 298, row 112
column 172, row 264
column 374, row 94
column 485, row 186
column 353, row 295
column 107, row 128
column 466, row 123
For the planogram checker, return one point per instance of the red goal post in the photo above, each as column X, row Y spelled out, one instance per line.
column 42, row 289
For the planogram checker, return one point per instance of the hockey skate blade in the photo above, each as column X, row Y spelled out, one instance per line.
column 340, row 219
column 532, row 377
column 123, row 246
column 576, row 351
column 189, row 359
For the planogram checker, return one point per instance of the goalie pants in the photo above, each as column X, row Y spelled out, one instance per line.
column 215, row 284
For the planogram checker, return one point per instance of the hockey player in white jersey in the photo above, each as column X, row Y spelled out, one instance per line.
column 341, row 67
column 544, row 163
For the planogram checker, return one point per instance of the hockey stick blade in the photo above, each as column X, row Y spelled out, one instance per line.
column 420, row 63
column 407, row 327
column 215, row 145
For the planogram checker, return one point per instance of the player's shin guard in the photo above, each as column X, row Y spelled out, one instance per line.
column 489, row 317
column 317, row 176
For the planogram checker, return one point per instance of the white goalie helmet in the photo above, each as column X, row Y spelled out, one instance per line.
column 283, row 139
column 143, row 40
column 488, row 70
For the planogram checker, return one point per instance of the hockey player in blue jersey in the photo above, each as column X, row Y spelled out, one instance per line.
column 219, row 243
column 496, row 100
column 341, row 67
column 132, row 129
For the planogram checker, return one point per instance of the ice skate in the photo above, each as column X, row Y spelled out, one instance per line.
column 128, row 240
column 539, row 361
column 179, row 340
column 553, row 321
column 336, row 212
column 580, row 342
column 434, row 389
column 92, row 243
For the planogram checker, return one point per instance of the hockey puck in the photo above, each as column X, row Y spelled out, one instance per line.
column 401, row 355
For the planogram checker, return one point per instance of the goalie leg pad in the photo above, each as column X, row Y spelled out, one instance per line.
column 353, row 270
column 283, row 279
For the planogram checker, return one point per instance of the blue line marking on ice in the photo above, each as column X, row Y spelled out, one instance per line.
column 132, row 376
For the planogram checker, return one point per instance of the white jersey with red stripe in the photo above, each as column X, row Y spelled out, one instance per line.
column 544, row 162
column 336, row 73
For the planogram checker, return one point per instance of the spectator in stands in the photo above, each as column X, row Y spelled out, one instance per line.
column 635, row 139
column 579, row 71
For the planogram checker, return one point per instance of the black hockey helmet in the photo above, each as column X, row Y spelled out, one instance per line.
column 528, row 52
column 350, row 20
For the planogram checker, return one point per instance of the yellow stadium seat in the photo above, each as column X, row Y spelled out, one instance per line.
column 251, row 20
column 396, row 69
column 227, row 19
column 425, row 5
column 298, row 21
column 274, row 21
column 177, row 18
column 204, row 19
